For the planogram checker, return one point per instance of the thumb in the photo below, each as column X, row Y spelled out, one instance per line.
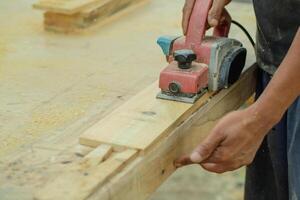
column 207, row 147
column 215, row 13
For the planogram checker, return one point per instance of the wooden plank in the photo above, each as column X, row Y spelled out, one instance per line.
column 108, row 7
column 101, row 153
column 143, row 176
column 141, row 121
column 96, row 14
column 82, row 180
column 67, row 6
column 58, row 22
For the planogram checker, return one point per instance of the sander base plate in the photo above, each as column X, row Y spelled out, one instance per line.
column 181, row 97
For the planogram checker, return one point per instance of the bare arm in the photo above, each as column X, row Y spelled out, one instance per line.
column 284, row 87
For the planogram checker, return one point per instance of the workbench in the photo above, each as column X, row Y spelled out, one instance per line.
column 55, row 86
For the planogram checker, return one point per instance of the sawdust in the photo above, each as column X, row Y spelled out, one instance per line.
column 2, row 52
column 57, row 115
column 2, row 49
column 53, row 115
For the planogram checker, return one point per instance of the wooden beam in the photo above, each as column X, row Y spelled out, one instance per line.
column 141, row 177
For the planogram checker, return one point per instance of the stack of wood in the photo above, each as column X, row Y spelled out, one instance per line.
column 73, row 15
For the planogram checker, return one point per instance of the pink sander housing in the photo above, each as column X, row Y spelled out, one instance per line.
column 198, row 63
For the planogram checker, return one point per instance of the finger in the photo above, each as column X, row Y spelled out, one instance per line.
column 222, row 167
column 182, row 161
column 218, row 168
column 187, row 11
column 215, row 13
column 213, row 167
column 207, row 147
column 225, row 16
column 220, row 155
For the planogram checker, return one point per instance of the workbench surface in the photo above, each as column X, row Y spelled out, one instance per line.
column 54, row 86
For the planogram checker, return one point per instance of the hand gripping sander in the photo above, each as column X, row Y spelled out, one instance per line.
column 200, row 63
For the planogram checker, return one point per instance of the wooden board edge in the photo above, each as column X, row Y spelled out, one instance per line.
column 78, row 24
column 70, row 11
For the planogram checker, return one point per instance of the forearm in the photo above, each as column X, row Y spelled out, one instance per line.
column 284, row 87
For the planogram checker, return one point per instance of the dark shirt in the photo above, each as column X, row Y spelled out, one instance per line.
column 277, row 25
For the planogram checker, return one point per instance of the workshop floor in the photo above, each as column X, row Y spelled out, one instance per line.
column 54, row 86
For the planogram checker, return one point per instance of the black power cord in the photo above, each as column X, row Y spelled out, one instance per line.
column 245, row 31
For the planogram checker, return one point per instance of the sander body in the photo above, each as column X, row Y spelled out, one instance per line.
column 199, row 63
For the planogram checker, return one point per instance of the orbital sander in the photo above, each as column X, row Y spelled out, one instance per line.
column 197, row 62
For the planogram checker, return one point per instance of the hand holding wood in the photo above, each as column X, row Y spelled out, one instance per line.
column 232, row 144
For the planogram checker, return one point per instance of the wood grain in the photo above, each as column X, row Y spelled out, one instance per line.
column 141, row 121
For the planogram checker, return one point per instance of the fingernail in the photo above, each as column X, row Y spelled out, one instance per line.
column 213, row 22
column 196, row 157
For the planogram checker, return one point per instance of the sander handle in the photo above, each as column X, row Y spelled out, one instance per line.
column 198, row 23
